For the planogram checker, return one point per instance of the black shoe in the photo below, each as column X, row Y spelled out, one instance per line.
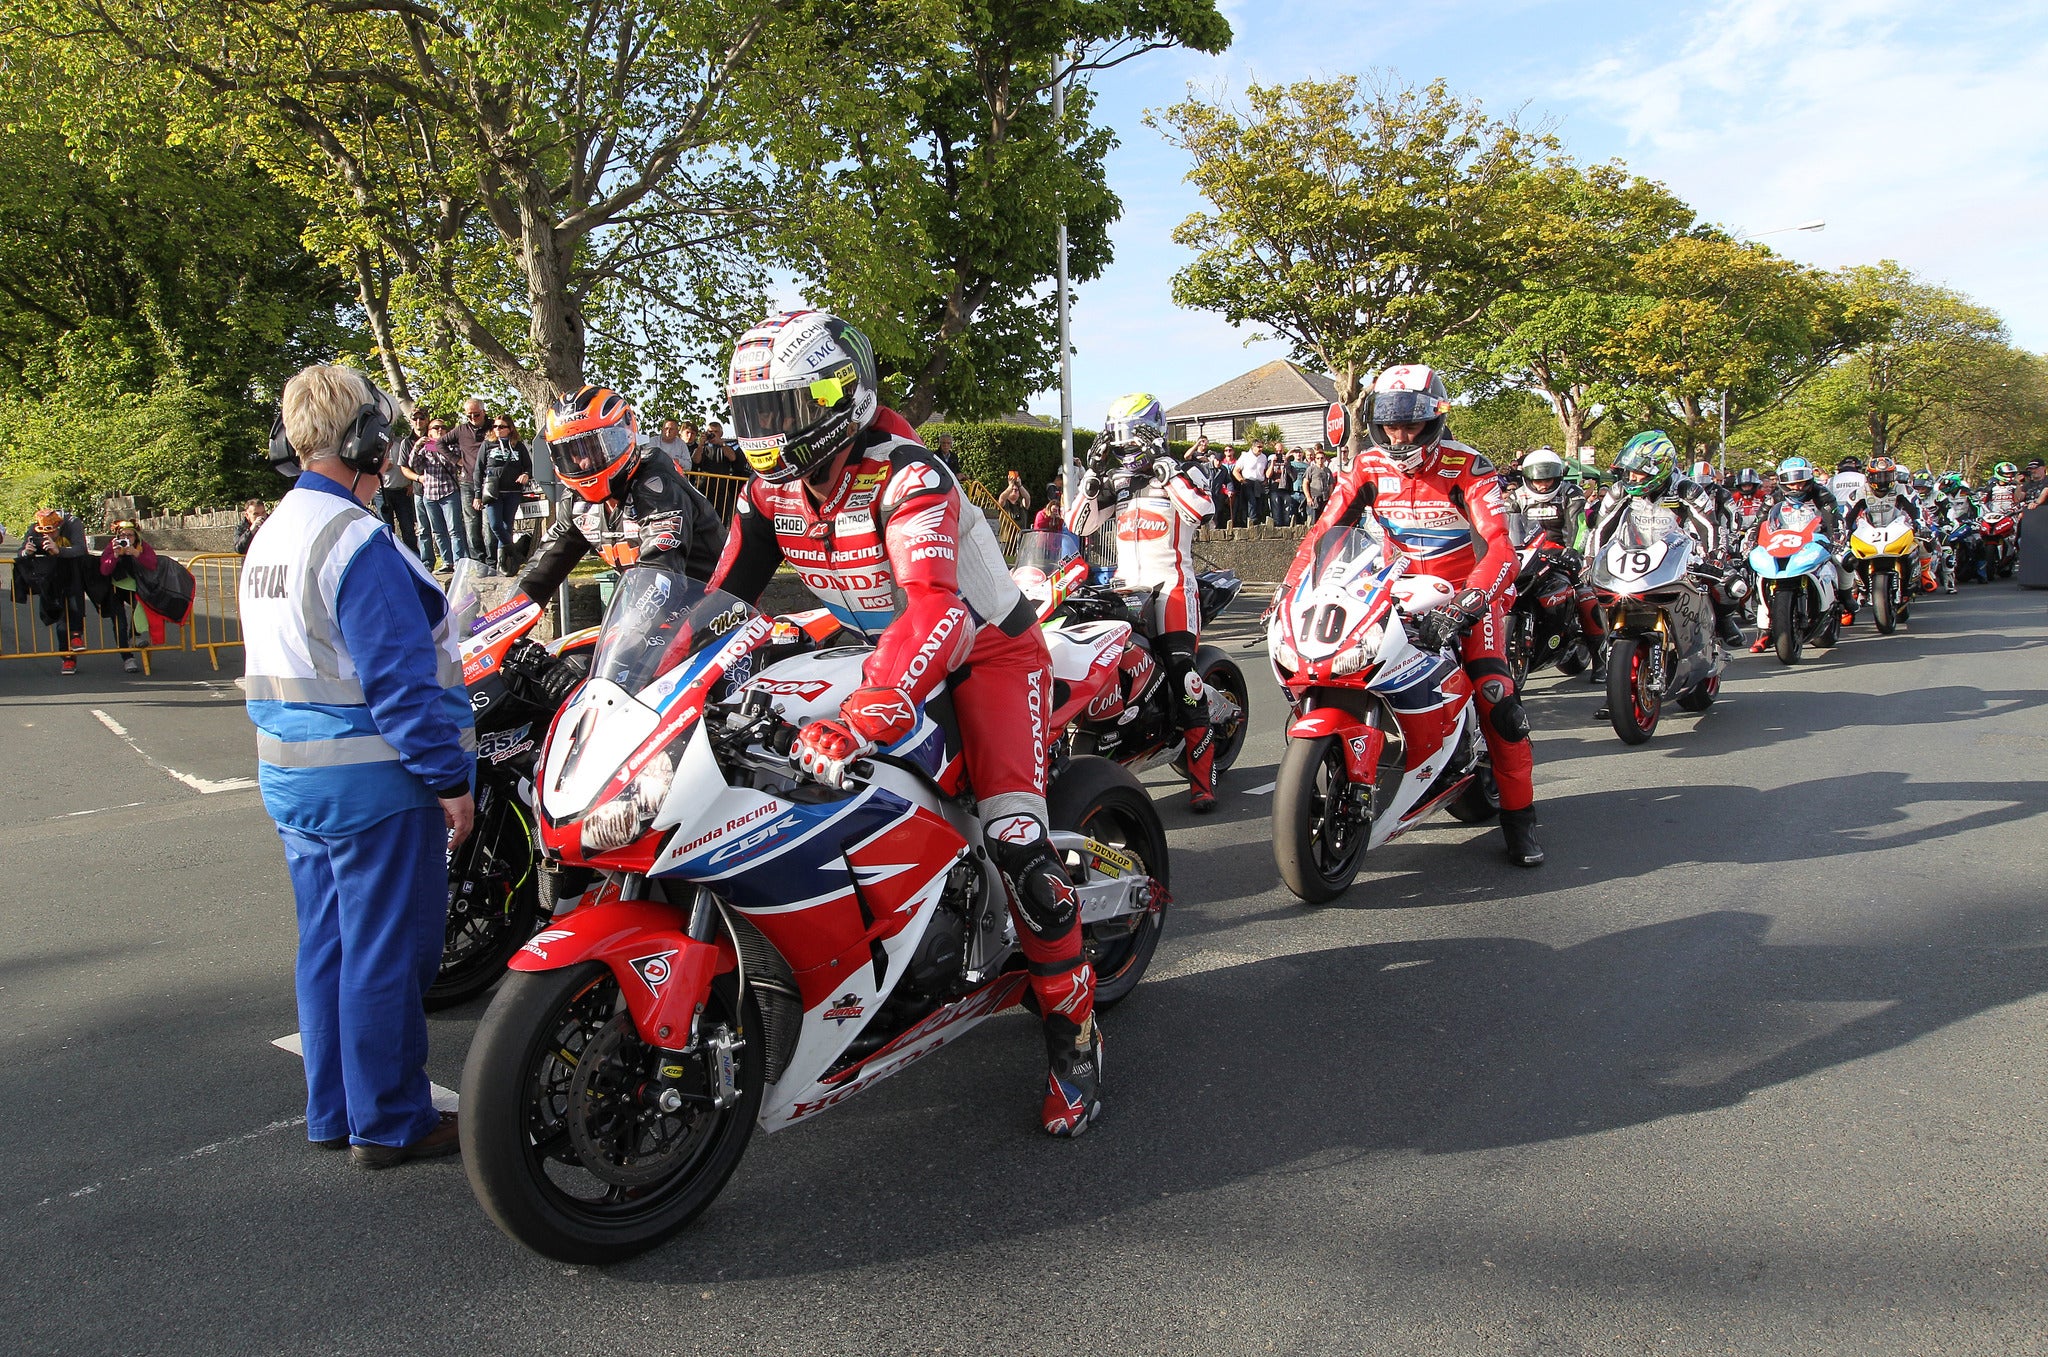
column 339, row 1142
column 442, row 1140
column 1516, row 827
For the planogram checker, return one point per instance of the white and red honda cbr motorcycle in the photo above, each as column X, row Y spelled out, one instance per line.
column 1384, row 732
column 761, row 946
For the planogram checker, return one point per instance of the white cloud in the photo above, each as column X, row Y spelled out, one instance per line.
column 1920, row 137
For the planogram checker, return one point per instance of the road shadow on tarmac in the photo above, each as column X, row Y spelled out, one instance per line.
column 1293, row 1064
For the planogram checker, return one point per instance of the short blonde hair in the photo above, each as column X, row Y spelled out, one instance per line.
column 320, row 404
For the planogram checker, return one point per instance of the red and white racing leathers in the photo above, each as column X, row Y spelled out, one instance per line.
column 893, row 547
column 1448, row 517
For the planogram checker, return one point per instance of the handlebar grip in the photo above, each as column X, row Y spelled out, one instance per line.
column 863, row 769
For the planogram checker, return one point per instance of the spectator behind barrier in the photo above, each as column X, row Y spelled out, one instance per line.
column 52, row 567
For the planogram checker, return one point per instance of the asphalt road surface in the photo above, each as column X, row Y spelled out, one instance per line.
column 1753, row 1065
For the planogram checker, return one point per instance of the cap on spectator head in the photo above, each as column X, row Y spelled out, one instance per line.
column 49, row 520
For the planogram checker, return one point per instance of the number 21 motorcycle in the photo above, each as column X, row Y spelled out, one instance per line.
column 761, row 946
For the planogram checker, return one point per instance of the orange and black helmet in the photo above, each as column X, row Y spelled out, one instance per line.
column 594, row 441
column 1882, row 472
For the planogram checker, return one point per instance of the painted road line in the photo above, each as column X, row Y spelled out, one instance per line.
column 204, row 786
column 1261, row 791
column 445, row 1099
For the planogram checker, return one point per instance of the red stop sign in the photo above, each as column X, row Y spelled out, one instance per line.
column 1337, row 424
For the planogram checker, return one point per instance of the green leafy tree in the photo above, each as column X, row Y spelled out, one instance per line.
column 1721, row 328
column 562, row 189
column 1585, row 229
column 1364, row 224
column 945, row 249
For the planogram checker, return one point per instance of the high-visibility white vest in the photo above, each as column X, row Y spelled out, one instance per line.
column 322, row 764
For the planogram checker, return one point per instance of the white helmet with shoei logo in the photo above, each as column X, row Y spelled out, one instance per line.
column 1543, row 471
column 1411, row 393
column 802, row 388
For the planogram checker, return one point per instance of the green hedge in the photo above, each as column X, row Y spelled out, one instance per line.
column 987, row 453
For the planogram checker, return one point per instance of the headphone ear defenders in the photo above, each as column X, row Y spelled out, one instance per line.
column 362, row 447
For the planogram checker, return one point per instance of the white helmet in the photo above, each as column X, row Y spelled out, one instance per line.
column 1542, row 465
column 802, row 388
column 1411, row 393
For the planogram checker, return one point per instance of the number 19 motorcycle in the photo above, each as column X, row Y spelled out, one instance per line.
column 761, row 947
column 1649, row 580
column 1384, row 732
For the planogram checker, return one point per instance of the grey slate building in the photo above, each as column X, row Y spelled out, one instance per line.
column 1279, row 392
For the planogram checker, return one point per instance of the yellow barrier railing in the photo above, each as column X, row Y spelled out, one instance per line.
column 1007, row 531
column 24, row 636
column 216, row 620
column 721, row 489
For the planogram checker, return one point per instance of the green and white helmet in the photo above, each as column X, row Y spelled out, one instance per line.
column 1135, row 418
column 1645, row 464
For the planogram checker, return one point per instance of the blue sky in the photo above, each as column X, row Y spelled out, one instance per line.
column 1918, row 131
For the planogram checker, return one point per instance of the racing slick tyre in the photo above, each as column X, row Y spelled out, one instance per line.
column 1881, row 605
column 1103, row 800
column 493, row 906
column 1786, row 633
column 1319, row 836
column 1479, row 803
column 565, row 1143
column 1633, row 703
column 1221, row 672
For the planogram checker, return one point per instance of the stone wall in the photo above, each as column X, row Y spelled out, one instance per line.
column 1259, row 555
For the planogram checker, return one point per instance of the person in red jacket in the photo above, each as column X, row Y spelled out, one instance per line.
column 878, row 527
column 1440, row 500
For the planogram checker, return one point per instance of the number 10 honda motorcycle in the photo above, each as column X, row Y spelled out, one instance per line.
column 760, row 947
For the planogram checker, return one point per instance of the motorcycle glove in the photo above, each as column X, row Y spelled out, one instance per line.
column 826, row 749
column 879, row 715
column 1442, row 626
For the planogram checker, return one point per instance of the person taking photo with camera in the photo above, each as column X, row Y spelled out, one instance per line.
column 52, row 567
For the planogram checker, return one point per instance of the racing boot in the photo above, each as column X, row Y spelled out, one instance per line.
column 1048, row 916
column 1073, row 1095
column 1200, row 742
column 1728, row 626
column 1517, row 827
column 1761, row 643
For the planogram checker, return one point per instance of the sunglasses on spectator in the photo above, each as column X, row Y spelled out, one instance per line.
column 502, row 428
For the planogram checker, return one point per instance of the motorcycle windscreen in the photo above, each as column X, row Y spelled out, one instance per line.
column 1645, row 546
column 1363, row 548
column 659, row 619
column 1046, row 552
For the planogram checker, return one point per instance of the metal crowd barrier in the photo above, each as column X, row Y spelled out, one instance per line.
column 216, row 620
column 24, row 637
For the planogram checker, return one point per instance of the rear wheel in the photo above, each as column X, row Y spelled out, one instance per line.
column 1480, row 801
column 1219, row 671
column 1881, row 601
column 1103, row 800
column 1788, row 628
column 565, row 1136
column 1701, row 695
column 1319, row 833
column 1633, row 700
column 493, row 905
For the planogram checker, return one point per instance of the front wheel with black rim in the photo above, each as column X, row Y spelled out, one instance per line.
column 1882, row 604
column 586, row 1144
column 493, row 906
column 1319, row 829
column 1634, row 699
column 1102, row 800
column 1521, row 645
column 1788, row 628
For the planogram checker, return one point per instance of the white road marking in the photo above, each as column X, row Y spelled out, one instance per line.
column 445, row 1099
column 202, row 1152
column 1260, row 791
column 204, row 786
column 74, row 814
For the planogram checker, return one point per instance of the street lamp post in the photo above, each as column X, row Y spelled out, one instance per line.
column 1059, row 111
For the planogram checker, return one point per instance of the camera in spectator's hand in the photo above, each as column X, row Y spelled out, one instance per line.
column 124, row 543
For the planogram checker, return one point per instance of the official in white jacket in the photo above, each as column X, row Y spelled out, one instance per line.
column 365, row 753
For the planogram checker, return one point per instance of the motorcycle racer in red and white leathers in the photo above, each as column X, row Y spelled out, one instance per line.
column 1157, row 507
column 1440, row 500
column 881, row 531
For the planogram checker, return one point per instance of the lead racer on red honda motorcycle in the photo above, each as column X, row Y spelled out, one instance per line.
column 1129, row 464
column 881, row 531
column 1440, row 500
